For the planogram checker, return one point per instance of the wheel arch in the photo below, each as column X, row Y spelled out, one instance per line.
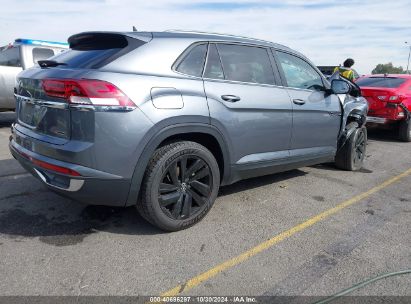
column 354, row 120
column 204, row 134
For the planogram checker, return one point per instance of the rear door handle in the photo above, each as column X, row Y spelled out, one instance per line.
column 230, row 98
column 299, row 102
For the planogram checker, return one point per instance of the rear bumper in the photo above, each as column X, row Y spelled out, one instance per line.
column 377, row 120
column 95, row 188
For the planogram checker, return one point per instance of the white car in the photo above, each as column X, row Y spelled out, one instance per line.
column 18, row 56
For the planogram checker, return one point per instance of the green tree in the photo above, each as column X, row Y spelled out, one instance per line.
column 387, row 68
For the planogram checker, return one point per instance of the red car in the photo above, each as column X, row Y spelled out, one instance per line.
column 389, row 99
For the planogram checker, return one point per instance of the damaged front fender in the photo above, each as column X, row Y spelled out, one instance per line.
column 354, row 109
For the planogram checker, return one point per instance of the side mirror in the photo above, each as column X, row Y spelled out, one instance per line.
column 339, row 86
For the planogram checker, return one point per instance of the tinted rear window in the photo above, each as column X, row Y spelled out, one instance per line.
column 85, row 59
column 380, row 82
column 94, row 50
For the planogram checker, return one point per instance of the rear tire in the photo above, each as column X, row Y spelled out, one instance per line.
column 180, row 186
column 404, row 131
column 351, row 155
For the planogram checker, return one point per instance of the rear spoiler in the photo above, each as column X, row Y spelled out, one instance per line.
column 106, row 40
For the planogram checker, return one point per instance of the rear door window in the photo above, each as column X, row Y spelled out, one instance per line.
column 10, row 56
column 299, row 73
column 42, row 54
column 246, row 63
column 193, row 62
column 381, row 82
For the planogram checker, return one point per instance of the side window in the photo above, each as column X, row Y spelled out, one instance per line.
column 213, row 69
column 10, row 57
column 41, row 54
column 246, row 63
column 193, row 62
column 299, row 74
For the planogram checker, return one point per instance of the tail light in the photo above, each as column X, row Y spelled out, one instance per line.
column 393, row 98
column 87, row 92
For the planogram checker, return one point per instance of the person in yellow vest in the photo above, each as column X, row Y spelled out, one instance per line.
column 346, row 70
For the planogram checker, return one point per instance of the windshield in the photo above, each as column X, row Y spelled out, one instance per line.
column 380, row 82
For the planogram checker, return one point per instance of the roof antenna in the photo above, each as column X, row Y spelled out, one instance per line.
column 134, row 29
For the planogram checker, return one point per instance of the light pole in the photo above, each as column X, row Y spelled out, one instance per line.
column 409, row 53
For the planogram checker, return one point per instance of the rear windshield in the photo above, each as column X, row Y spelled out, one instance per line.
column 87, row 59
column 380, row 82
column 94, row 50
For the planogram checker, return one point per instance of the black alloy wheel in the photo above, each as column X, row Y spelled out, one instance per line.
column 350, row 156
column 359, row 150
column 185, row 187
column 180, row 185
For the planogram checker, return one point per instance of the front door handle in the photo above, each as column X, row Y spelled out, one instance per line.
column 299, row 102
column 230, row 98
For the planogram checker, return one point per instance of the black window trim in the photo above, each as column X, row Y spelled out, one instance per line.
column 281, row 71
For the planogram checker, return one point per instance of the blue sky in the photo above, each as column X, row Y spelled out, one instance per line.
column 327, row 32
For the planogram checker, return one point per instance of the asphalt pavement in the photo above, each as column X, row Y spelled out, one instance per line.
column 263, row 236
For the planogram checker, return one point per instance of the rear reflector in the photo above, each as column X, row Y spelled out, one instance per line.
column 87, row 92
column 49, row 166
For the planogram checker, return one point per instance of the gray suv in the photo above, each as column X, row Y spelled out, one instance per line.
column 161, row 119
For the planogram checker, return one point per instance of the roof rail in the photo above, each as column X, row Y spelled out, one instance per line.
column 216, row 34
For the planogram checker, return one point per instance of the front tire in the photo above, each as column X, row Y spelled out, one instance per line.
column 180, row 186
column 404, row 131
column 351, row 155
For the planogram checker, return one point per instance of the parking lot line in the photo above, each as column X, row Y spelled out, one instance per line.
column 197, row 280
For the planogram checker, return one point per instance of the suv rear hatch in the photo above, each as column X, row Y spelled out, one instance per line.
column 45, row 96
